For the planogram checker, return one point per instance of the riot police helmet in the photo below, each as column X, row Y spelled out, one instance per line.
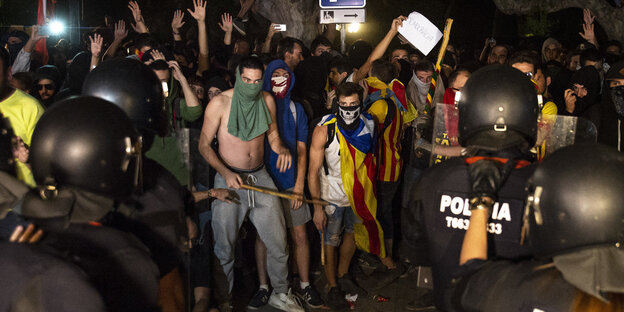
column 7, row 143
column 135, row 88
column 498, row 109
column 86, row 143
column 575, row 200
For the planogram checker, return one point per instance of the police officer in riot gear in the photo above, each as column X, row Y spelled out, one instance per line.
column 574, row 220
column 498, row 114
column 159, row 211
column 79, row 176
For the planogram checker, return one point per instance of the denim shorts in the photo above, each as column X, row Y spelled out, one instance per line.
column 341, row 219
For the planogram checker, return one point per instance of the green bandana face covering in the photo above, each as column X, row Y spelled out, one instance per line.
column 249, row 115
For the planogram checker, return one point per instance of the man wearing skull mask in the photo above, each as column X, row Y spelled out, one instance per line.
column 348, row 131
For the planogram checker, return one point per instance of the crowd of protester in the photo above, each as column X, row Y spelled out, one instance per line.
column 302, row 119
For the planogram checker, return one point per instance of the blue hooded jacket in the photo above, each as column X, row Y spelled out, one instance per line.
column 289, row 131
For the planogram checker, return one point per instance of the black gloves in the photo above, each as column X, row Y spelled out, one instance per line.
column 487, row 176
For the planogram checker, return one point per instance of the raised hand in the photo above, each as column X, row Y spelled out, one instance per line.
column 588, row 27
column 34, row 35
column 121, row 31
column 157, row 55
column 396, row 23
column 226, row 23
column 199, row 10
column 96, row 44
column 177, row 21
column 136, row 11
column 177, row 71
column 140, row 26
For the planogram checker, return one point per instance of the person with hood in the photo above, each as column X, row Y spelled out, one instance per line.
column 610, row 130
column 76, row 74
column 47, row 83
column 583, row 94
column 292, row 125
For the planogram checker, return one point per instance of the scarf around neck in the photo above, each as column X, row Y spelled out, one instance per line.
column 423, row 88
column 249, row 115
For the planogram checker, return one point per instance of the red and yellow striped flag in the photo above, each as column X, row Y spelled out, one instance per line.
column 358, row 169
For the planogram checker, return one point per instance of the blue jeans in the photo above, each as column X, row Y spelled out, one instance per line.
column 341, row 219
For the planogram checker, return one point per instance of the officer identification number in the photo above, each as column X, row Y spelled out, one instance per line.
column 459, row 217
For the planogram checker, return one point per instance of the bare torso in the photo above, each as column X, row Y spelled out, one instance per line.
column 233, row 151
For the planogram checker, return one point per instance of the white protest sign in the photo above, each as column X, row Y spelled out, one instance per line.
column 420, row 32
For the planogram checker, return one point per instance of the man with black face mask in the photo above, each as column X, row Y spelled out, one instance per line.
column 610, row 129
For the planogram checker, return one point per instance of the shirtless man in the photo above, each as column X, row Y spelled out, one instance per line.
column 239, row 118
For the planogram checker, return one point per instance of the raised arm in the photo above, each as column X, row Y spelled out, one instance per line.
column 34, row 38
column 176, row 24
column 139, row 25
column 588, row 28
column 227, row 27
column 189, row 96
column 120, row 34
column 199, row 14
column 284, row 159
column 212, row 121
column 379, row 50
column 96, row 50
column 266, row 48
column 317, row 148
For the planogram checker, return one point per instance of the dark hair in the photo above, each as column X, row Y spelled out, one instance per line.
column 5, row 58
column 348, row 89
column 359, row 52
column 570, row 55
column 320, row 41
column 142, row 40
column 591, row 54
column 159, row 65
column 341, row 64
column 524, row 56
column 251, row 62
column 403, row 47
column 423, row 65
column 287, row 45
column 453, row 76
column 383, row 70
column 26, row 78
column 614, row 43
column 544, row 70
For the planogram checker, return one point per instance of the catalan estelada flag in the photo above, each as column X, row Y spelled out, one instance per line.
column 390, row 109
column 357, row 168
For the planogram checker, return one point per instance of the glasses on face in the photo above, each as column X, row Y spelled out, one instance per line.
column 47, row 86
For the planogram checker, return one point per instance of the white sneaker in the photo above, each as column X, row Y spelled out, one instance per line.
column 286, row 302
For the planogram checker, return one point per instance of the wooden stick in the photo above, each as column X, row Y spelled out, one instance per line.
column 323, row 247
column 283, row 195
column 445, row 40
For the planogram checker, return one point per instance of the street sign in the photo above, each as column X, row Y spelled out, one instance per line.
column 341, row 4
column 343, row 16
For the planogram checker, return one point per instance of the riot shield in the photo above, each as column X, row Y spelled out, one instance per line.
column 445, row 142
column 554, row 132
